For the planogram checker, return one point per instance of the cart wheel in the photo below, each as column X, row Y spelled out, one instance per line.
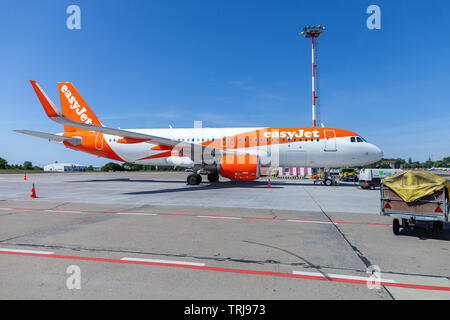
column 405, row 223
column 440, row 225
column 396, row 227
column 436, row 232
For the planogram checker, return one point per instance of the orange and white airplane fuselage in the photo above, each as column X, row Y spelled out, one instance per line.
column 236, row 153
column 324, row 147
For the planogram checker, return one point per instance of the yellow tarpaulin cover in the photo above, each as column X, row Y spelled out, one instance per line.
column 412, row 185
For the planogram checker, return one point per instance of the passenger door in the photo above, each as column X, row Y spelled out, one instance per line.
column 330, row 141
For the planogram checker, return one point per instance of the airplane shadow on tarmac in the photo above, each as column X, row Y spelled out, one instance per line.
column 129, row 180
column 208, row 186
column 222, row 184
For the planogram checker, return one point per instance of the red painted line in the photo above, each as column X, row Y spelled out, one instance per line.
column 196, row 215
column 230, row 270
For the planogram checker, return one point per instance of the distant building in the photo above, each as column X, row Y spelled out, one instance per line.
column 296, row 172
column 64, row 167
column 394, row 164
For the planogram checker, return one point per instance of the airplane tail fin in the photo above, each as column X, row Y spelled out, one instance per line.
column 74, row 107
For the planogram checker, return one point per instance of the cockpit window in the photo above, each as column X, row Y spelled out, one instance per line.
column 353, row 139
column 359, row 139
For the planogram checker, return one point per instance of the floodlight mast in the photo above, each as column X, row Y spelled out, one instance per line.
column 314, row 32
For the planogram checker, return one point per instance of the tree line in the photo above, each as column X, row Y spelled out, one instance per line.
column 409, row 164
column 112, row 166
column 27, row 165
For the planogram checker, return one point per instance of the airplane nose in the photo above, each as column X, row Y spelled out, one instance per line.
column 376, row 153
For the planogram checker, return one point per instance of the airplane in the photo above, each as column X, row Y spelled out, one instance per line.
column 234, row 153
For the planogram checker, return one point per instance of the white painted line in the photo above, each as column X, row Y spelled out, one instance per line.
column 137, row 213
column 233, row 218
column 165, row 261
column 26, row 251
column 6, row 209
column 338, row 276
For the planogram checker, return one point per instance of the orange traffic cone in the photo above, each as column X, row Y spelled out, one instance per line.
column 33, row 192
column 25, row 176
column 268, row 184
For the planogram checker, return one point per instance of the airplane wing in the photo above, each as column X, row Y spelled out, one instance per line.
column 117, row 132
column 51, row 137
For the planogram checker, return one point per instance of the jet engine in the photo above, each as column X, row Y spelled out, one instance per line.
column 240, row 167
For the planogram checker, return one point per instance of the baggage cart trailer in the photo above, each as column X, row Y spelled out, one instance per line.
column 432, row 210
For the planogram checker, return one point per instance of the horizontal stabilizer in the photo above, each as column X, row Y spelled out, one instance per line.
column 51, row 137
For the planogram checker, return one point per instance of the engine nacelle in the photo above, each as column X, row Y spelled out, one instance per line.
column 240, row 167
column 180, row 161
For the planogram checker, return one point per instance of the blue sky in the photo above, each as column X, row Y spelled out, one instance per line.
column 233, row 63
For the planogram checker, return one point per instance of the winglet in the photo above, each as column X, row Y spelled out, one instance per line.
column 49, row 106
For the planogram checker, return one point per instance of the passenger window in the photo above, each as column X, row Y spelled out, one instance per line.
column 352, row 139
column 317, row 139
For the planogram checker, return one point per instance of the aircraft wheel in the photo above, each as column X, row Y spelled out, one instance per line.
column 194, row 179
column 213, row 177
column 328, row 182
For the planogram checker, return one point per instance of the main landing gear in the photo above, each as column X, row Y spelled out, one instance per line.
column 195, row 178
column 213, row 177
